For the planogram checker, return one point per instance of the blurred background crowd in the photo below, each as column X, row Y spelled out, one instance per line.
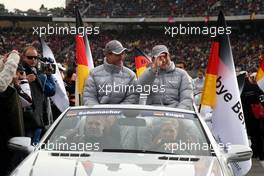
column 247, row 47
column 150, row 8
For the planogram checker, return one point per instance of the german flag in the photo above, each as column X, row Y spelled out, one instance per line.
column 141, row 61
column 260, row 75
column 209, row 95
column 84, row 60
column 227, row 118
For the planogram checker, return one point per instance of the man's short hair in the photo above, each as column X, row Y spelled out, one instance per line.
column 181, row 62
column 27, row 48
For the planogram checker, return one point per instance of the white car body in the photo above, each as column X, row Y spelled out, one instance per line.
column 53, row 163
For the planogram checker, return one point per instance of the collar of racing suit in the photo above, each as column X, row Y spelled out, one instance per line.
column 111, row 68
column 169, row 68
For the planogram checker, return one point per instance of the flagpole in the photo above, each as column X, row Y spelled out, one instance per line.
column 80, row 101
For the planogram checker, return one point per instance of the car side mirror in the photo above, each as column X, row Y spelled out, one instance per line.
column 237, row 153
column 20, row 144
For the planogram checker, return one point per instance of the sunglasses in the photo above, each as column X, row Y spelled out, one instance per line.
column 32, row 57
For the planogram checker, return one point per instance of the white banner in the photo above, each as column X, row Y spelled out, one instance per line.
column 60, row 98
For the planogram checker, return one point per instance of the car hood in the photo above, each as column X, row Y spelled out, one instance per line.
column 44, row 163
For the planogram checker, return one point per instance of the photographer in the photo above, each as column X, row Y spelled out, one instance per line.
column 22, row 86
column 42, row 86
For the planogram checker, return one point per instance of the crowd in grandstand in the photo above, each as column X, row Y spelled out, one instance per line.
column 165, row 8
column 152, row 8
column 193, row 50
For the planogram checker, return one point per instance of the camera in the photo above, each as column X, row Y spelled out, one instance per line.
column 46, row 65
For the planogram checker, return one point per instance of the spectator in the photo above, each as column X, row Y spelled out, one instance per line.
column 42, row 86
column 8, row 66
column 181, row 65
column 198, row 82
column 62, row 70
column 148, row 8
column 22, row 86
column 70, row 85
column 193, row 50
column 251, row 98
column 12, row 121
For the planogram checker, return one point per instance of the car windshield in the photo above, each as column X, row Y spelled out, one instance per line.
column 126, row 130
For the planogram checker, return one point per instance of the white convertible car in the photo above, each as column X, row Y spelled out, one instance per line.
column 119, row 140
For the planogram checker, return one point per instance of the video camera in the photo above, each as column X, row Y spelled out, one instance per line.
column 46, row 65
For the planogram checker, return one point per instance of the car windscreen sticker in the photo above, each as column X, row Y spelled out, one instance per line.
column 153, row 113
column 158, row 113
column 100, row 112
column 167, row 114
column 171, row 114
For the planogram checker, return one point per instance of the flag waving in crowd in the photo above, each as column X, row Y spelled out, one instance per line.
column 228, row 123
column 209, row 95
column 141, row 61
column 260, row 75
column 84, row 60
column 60, row 98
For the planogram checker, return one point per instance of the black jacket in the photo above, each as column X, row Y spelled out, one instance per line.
column 39, row 113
